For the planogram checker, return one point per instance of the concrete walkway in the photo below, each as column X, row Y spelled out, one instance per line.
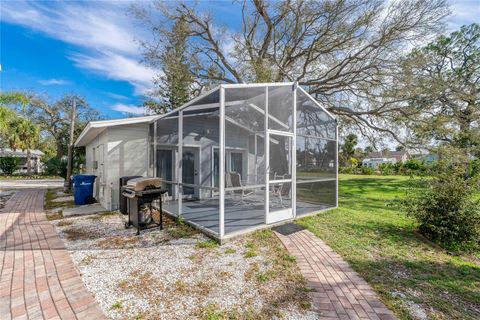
column 339, row 292
column 30, row 183
column 38, row 278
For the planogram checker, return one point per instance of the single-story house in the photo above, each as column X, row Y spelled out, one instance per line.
column 235, row 159
column 115, row 148
column 36, row 165
column 376, row 162
column 399, row 156
column 426, row 157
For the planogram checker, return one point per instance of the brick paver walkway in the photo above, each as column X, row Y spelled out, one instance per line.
column 339, row 292
column 38, row 278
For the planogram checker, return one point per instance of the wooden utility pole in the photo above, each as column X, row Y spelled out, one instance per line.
column 68, row 184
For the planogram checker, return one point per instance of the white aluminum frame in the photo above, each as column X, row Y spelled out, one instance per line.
column 221, row 161
column 222, row 152
column 180, row 162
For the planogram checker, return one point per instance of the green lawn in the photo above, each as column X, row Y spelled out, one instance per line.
column 380, row 242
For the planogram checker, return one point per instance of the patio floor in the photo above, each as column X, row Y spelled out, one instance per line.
column 38, row 278
column 239, row 215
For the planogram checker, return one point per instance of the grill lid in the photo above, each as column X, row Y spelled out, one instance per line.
column 140, row 184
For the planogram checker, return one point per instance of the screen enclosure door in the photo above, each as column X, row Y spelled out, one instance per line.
column 165, row 166
column 190, row 171
column 280, row 169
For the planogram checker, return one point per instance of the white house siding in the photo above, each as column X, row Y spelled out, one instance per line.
column 99, row 144
column 127, row 156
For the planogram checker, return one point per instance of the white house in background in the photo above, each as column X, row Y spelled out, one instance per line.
column 114, row 149
column 376, row 162
column 399, row 156
column 35, row 159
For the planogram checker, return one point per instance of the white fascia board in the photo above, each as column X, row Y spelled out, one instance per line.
column 83, row 134
column 109, row 123
column 253, row 85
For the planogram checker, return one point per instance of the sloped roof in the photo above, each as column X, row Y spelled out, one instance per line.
column 94, row 128
column 380, row 154
column 19, row 153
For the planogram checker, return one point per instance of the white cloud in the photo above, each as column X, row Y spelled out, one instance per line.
column 464, row 12
column 93, row 25
column 116, row 95
column 129, row 109
column 103, row 31
column 53, row 82
column 118, row 67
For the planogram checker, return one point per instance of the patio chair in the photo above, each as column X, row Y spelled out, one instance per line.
column 283, row 190
column 236, row 182
column 166, row 198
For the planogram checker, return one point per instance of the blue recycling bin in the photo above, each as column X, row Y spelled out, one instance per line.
column 83, row 189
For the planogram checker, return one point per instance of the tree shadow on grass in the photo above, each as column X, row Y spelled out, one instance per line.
column 394, row 259
column 449, row 288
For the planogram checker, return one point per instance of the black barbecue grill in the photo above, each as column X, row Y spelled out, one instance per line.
column 140, row 193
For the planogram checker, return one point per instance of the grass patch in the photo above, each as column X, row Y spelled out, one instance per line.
column 73, row 234
column 250, row 253
column 206, row 244
column 118, row 242
column 278, row 279
column 51, row 195
column 176, row 228
column 55, row 216
column 212, row 312
column 88, row 259
column 251, row 249
column 122, row 284
column 181, row 287
column 262, row 276
column 106, row 214
column 142, row 284
column 230, row 251
column 180, row 231
column 63, row 223
column 27, row 177
column 116, row 306
column 381, row 243
column 289, row 258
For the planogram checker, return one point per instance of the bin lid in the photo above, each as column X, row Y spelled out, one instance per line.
column 83, row 177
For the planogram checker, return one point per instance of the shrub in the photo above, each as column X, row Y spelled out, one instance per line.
column 56, row 167
column 346, row 170
column 386, row 169
column 413, row 165
column 367, row 170
column 8, row 165
column 447, row 209
column 474, row 168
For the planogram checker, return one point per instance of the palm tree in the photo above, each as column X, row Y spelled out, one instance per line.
column 25, row 135
column 6, row 115
column 348, row 147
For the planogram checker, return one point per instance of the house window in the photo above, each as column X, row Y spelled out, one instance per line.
column 236, row 163
column 233, row 163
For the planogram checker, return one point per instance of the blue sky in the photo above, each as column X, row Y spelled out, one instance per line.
column 91, row 48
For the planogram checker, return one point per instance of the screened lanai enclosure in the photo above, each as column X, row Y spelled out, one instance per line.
column 244, row 156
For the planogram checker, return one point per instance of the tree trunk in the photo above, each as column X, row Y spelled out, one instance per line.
column 29, row 165
column 60, row 153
